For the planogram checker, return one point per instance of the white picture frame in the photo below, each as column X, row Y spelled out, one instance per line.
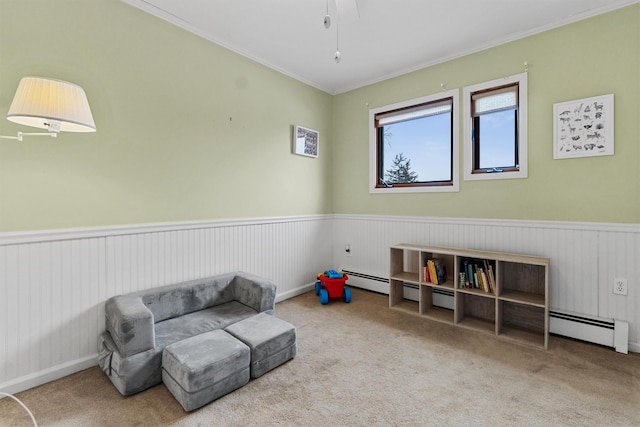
column 306, row 142
column 583, row 127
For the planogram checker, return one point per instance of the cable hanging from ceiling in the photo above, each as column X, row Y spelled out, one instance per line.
column 327, row 18
column 346, row 11
column 327, row 24
column 337, row 56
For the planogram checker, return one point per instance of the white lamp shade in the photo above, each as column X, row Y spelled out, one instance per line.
column 38, row 102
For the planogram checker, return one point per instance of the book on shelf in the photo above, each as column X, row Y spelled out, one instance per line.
column 492, row 279
column 433, row 276
column 473, row 278
column 485, row 280
column 478, row 278
column 469, row 274
column 487, row 270
column 435, row 271
column 479, row 275
column 441, row 270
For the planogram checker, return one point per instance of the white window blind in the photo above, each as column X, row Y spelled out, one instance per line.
column 415, row 112
column 495, row 100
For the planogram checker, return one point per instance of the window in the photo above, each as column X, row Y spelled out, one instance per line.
column 414, row 145
column 496, row 129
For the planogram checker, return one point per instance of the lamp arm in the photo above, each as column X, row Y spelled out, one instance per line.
column 22, row 134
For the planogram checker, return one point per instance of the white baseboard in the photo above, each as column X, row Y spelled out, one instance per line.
column 294, row 292
column 56, row 372
column 47, row 375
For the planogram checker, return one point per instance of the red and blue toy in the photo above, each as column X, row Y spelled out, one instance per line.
column 330, row 285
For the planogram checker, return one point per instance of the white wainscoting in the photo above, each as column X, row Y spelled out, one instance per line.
column 53, row 284
column 585, row 257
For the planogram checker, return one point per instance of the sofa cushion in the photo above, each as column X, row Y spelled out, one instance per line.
column 200, row 361
column 272, row 341
column 130, row 324
column 129, row 374
column 183, row 327
column 203, row 368
column 175, row 300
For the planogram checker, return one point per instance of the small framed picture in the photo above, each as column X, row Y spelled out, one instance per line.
column 583, row 128
column 305, row 141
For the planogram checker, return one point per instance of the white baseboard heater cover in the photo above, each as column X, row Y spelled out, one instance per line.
column 607, row 332
column 367, row 281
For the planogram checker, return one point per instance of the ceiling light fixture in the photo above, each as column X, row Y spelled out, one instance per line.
column 327, row 18
column 54, row 105
column 337, row 56
column 346, row 11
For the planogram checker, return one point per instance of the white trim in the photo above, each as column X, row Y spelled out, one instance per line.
column 50, row 374
column 455, row 187
column 562, row 225
column 521, row 79
column 18, row 237
column 293, row 293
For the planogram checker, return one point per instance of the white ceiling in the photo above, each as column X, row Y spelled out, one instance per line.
column 389, row 38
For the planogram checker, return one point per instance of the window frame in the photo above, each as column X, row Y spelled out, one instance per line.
column 470, row 172
column 437, row 186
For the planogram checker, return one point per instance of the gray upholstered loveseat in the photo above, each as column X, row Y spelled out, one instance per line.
column 140, row 325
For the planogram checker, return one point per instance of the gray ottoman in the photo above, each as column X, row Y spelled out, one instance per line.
column 272, row 341
column 202, row 368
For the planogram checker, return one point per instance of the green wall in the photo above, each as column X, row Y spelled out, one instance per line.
column 592, row 57
column 187, row 130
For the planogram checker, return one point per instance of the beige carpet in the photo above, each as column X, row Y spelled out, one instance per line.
column 362, row 364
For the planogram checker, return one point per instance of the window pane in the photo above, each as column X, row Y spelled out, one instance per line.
column 424, row 145
column 497, row 145
column 495, row 129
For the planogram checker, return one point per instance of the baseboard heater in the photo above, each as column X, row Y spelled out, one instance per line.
column 441, row 297
column 607, row 332
column 367, row 281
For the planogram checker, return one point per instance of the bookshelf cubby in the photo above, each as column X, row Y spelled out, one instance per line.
column 508, row 296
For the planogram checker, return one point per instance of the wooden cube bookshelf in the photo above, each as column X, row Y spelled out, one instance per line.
column 510, row 302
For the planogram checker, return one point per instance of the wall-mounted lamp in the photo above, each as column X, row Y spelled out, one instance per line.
column 54, row 105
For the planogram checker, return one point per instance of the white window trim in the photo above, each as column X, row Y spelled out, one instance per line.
column 521, row 79
column 455, row 95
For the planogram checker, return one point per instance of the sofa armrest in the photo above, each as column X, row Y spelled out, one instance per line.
column 255, row 291
column 130, row 324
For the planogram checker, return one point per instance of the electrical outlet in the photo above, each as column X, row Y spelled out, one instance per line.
column 620, row 286
column 347, row 249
